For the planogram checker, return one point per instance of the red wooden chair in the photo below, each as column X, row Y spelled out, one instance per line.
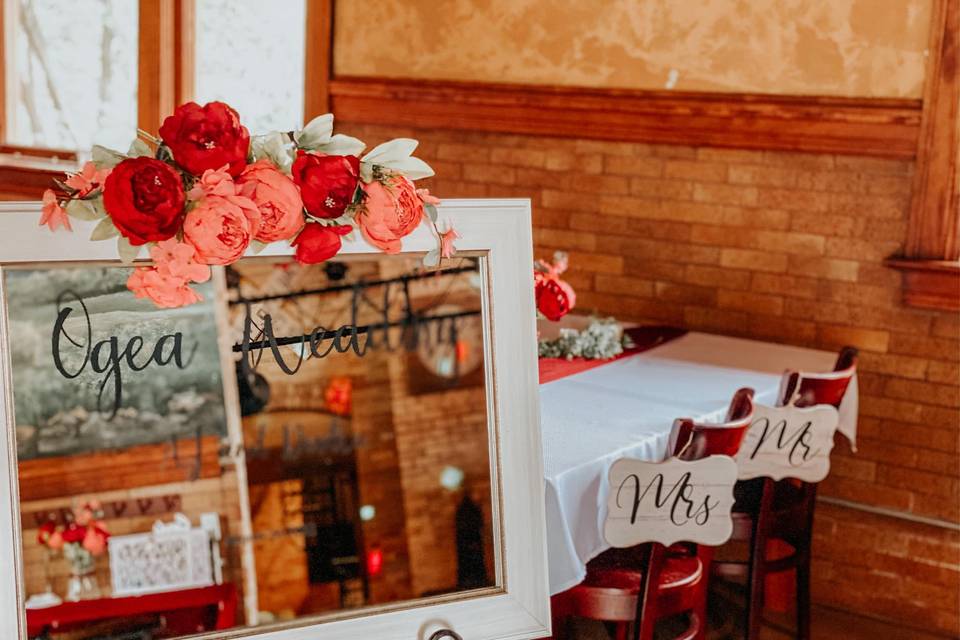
column 639, row 586
column 766, row 510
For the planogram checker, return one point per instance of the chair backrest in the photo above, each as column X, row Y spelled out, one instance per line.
column 805, row 389
column 691, row 440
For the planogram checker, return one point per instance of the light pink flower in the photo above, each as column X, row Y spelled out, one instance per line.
column 218, row 229
column 52, row 214
column 94, row 542
column 56, row 541
column 175, row 259
column 424, row 194
column 446, row 243
column 392, row 209
column 165, row 291
column 88, row 179
column 213, row 182
column 277, row 198
column 219, row 183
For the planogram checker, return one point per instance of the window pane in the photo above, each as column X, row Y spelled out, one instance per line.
column 250, row 54
column 74, row 73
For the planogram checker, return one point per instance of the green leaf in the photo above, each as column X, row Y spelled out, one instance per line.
column 341, row 145
column 128, row 252
column 83, row 210
column 106, row 158
column 366, row 172
column 391, row 151
column 104, row 230
column 256, row 246
column 431, row 212
column 316, row 133
column 432, row 259
column 139, row 148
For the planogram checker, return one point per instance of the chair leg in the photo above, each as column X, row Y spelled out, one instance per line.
column 803, row 598
column 756, row 580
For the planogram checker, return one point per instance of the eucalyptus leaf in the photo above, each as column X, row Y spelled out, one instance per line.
column 105, row 158
column 432, row 259
column 274, row 147
column 139, row 148
column 366, row 172
column 316, row 133
column 412, row 168
column 256, row 246
column 83, row 210
column 391, row 151
column 431, row 212
column 104, row 230
column 128, row 252
column 341, row 145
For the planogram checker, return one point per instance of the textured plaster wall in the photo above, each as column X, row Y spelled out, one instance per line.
column 823, row 47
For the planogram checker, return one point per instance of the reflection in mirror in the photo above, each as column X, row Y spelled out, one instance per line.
column 355, row 472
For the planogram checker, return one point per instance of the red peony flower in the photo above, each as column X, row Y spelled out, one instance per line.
column 74, row 533
column 327, row 183
column 318, row 243
column 144, row 198
column 206, row 137
column 554, row 297
column 46, row 530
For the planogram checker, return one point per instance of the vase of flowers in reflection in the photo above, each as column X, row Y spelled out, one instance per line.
column 82, row 541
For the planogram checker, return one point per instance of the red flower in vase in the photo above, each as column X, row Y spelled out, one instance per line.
column 74, row 533
column 206, row 137
column 554, row 297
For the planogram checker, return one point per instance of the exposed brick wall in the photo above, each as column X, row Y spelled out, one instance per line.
column 775, row 246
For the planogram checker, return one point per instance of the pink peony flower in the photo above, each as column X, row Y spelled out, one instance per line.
column 165, row 291
column 218, row 229
column 213, row 182
column 277, row 198
column 219, row 182
column 175, row 259
column 52, row 214
column 55, row 541
column 94, row 542
column 446, row 242
column 89, row 179
column 392, row 210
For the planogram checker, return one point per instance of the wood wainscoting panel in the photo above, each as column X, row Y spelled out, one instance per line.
column 859, row 126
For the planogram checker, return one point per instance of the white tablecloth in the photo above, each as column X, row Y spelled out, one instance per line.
column 626, row 409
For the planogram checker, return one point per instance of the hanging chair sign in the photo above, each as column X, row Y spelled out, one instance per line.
column 788, row 442
column 670, row 501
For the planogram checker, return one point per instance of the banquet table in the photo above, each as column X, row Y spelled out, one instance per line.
column 626, row 408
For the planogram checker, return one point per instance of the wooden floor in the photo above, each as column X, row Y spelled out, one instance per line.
column 828, row 624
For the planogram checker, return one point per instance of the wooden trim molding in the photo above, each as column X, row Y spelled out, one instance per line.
column 318, row 64
column 156, row 89
column 874, row 126
column 935, row 205
column 929, row 284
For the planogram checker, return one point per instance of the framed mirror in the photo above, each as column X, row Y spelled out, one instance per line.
column 352, row 446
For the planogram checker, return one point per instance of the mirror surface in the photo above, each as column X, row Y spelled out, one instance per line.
column 330, row 455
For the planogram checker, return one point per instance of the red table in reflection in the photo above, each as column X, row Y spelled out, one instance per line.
column 184, row 612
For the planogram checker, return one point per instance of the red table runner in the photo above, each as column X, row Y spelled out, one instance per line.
column 644, row 338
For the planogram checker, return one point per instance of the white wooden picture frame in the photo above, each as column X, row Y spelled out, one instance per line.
column 788, row 442
column 518, row 608
column 670, row 501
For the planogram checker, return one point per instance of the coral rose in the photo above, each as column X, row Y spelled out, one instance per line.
column 392, row 210
column 318, row 243
column 206, row 137
column 327, row 183
column 218, row 229
column 144, row 198
column 277, row 198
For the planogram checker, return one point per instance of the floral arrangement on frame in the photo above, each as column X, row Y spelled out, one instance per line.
column 205, row 192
